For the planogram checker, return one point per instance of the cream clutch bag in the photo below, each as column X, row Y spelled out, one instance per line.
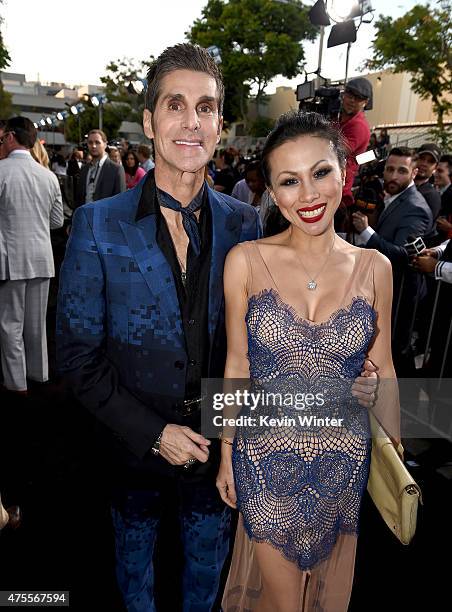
column 391, row 486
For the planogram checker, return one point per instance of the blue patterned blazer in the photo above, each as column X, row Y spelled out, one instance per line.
column 120, row 340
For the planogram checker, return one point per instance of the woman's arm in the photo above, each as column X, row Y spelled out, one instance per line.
column 237, row 365
column 387, row 406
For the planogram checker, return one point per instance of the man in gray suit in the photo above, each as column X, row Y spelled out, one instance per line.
column 30, row 206
column 102, row 178
column 406, row 216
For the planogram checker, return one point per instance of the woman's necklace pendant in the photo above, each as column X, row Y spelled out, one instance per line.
column 312, row 285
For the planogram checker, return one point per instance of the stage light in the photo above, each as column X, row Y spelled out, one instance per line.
column 138, row 86
column 60, row 117
column 342, row 10
column 318, row 15
column 49, row 121
column 74, row 110
column 35, row 124
column 43, row 122
column 97, row 99
column 342, row 33
column 215, row 54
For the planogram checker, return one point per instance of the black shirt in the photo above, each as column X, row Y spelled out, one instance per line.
column 193, row 297
column 432, row 197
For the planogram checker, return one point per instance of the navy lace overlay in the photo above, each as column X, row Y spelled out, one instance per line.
column 300, row 484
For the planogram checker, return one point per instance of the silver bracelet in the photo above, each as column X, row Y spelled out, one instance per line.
column 156, row 446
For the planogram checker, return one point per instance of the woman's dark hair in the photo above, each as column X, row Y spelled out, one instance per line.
column 294, row 124
column 127, row 168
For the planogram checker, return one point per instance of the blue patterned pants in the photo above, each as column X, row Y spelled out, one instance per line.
column 205, row 530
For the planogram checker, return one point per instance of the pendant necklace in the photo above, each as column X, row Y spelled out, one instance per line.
column 183, row 272
column 312, row 284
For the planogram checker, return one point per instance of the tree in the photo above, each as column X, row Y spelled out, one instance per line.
column 4, row 55
column 261, row 127
column 5, row 97
column 5, row 59
column 6, row 103
column 419, row 43
column 119, row 74
column 258, row 40
column 113, row 115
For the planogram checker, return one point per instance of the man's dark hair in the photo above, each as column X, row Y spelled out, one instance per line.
column 294, row 124
column 144, row 150
column 24, row 131
column 228, row 157
column 402, row 152
column 2, row 124
column 184, row 56
column 101, row 133
column 254, row 166
column 447, row 159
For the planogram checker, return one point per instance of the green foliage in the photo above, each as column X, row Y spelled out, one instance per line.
column 261, row 127
column 6, row 104
column 419, row 43
column 119, row 74
column 258, row 40
column 5, row 59
column 443, row 136
column 113, row 115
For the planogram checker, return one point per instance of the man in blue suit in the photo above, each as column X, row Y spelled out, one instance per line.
column 141, row 321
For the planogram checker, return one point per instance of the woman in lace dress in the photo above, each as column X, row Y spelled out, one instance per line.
column 303, row 309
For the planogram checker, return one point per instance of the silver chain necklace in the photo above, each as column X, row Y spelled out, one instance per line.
column 312, row 284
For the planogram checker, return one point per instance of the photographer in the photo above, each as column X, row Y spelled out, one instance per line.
column 357, row 94
column 406, row 215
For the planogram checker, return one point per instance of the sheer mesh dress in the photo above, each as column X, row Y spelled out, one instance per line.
column 299, row 486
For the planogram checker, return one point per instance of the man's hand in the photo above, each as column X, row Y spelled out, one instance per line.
column 179, row 444
column 365, row 386
column 443, row 225
column 424, row 263
column 360, row 221
column 430, row 253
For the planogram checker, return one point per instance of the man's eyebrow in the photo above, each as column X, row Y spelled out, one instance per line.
column 173, row 96
column 179, row 96
column 207, row 99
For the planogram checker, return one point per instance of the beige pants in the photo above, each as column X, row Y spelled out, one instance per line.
column 23, row 341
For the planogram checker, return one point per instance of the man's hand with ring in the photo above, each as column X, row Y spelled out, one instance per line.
column 179, row 444
column 365, row 386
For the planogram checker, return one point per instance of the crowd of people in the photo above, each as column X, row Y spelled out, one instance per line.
column 273, row 266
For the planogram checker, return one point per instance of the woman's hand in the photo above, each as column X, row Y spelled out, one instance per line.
column 225, row 482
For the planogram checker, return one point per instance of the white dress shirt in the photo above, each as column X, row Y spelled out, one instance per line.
column 443, row 269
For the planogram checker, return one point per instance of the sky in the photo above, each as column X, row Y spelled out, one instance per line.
column 73, row 41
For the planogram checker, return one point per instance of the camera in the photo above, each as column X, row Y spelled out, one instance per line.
column 324, row 100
